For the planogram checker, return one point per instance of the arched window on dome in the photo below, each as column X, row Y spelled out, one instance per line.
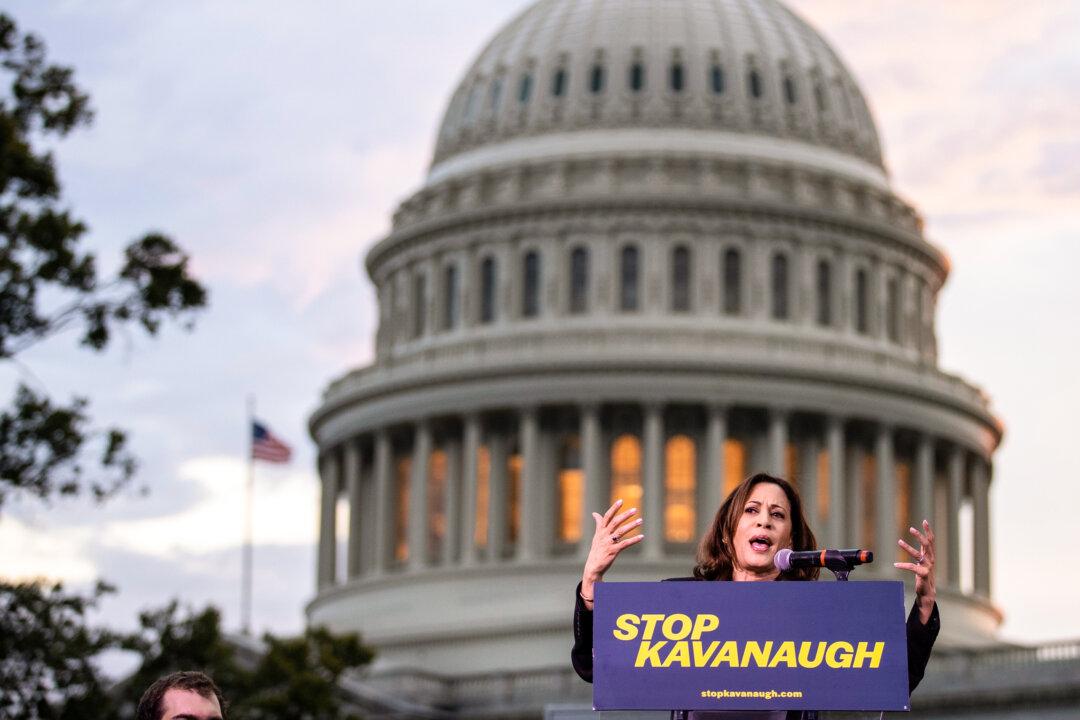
column 892, row 309
column 677, row 81
column 731, row 272
column 558, row 82
column 488, row 287
column 680, row 488
column 525, row 88
column 571, row 485
column 680, row 279
column 862, row 312
column 419, row 304
column 637, row 77
column 626, row 473
column 754, row 84
column 820, row 99
column 450, row 297
column 496, row 95
column 596, row 79
column 629, row 272
column 790, row 91
column 780, row 300
column 716, row 79
column 824, row 293
column 579, row 281
column 530, row 285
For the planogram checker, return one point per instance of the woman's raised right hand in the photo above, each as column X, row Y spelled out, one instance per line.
column 607, row 543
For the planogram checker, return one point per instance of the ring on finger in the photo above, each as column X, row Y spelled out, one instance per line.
column 614, row 538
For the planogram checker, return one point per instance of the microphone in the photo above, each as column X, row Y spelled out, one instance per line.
column 787, row 559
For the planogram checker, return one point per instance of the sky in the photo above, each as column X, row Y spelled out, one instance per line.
column 273, row 140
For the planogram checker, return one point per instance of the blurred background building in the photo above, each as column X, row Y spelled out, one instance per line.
column 657, row 250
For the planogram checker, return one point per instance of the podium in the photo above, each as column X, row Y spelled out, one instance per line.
column 750, row 646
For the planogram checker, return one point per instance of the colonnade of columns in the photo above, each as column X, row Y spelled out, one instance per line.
column 494, row 487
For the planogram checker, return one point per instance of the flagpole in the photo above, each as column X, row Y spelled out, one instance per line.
column 248, row 550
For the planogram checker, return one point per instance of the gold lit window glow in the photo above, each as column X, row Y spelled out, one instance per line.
column 679, row 487
column 403, row 470
column 626, row 473
column 734, row 465
column 436, row 497
column 483, row 474
column 571, row 484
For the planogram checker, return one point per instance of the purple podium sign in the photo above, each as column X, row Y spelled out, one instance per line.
column 750, row 646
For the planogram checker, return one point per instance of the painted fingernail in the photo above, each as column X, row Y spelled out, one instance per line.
column 896, row 565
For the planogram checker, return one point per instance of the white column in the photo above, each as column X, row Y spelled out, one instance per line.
column 924, row 481
column 778, row 438
column 352, row 484
column 592, row 468
column 497, row 497
column 834, row 439
column 327, row 563
column 713, row 487
column 653, row 511
column 452, row 502
column 885, row 502
column 956, row 495
column 469, row 488
column 384, row 519
column 980, row 491
column 418, row 500
column 529, row 429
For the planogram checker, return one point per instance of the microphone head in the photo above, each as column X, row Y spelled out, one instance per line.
column 782, row 560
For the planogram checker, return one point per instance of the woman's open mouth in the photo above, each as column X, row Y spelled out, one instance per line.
column 760, row 543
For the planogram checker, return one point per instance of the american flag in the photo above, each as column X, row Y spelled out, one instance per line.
column 264, row 446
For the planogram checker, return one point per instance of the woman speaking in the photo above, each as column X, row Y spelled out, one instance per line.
column 759, row 518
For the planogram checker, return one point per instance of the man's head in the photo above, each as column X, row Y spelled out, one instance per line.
column 182, row 696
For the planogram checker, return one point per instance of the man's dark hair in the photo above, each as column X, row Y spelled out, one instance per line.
column 150, row 704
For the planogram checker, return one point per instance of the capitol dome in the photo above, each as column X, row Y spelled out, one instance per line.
column 656, row 251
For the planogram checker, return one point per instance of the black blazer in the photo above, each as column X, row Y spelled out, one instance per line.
column 920, row 641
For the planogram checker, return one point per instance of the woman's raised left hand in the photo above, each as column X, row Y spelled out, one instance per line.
column 923, row 568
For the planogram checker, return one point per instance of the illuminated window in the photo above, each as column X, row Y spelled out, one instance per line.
column 483, row 496
column 824, row 293
column 732, row 274
column 626, row 473
column 488, row 285
column 823, row 470
column 579, row 280
column 903, row 507
column 868, row 488
column 780, row 308
column 680, row 279
column 628, row 278
column 450, row 297
column 436, row 498
column 571, row 488
column 513, row 467
column 734, row 464
column 862, row 314
column 791, row 463
column 530, row 295
column 679, row 490
column 402, row 477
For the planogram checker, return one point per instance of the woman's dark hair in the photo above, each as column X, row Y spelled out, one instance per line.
column 150, row 705
column 715, row 557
